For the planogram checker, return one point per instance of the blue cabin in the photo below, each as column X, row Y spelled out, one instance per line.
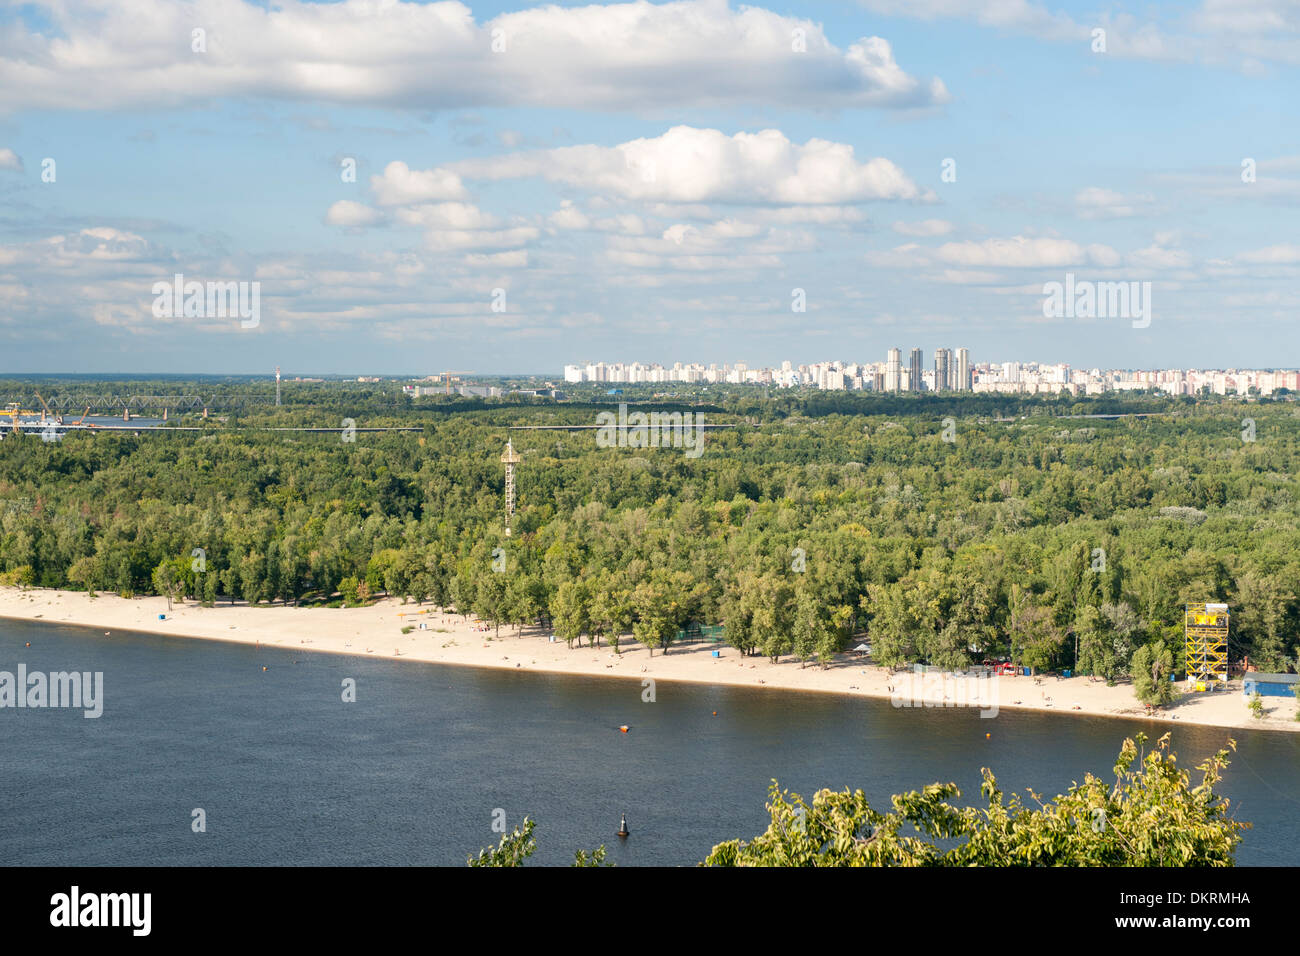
column 1270, row 685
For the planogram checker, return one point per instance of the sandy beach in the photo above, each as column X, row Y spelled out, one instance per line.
column 447, row 638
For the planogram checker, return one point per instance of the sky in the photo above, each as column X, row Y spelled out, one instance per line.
column 509, row 188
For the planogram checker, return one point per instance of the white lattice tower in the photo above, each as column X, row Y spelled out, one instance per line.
column 510, row 459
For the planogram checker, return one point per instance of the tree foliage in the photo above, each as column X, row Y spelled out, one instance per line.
column 515, row 847
column 1151, row 815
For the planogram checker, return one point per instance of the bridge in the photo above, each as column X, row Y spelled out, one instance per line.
column 52, row 431
column 116, row 405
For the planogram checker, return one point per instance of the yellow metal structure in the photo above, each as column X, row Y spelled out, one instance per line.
column 446, row 377
column 14, row 411
column 1206, row 630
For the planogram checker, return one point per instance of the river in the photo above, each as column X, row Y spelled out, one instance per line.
column 417, row 768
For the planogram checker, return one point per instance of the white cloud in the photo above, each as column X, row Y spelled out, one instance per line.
column 813, row 215
column 89, row 54
column 1263, row 29
column 84, row 248
column 400, row 185
column 1095, row 202
column 569, row 216
column 1234, row 33
column 1284, row 253
column 515, row 259
column 1019, row 15
column 690, row 165
column 970, row 262
column 694, row 263
column 711, row 234
column 967, row 277
column 629, row 224
column 346, row 212
column 10, row 160
column 447, row 215
column 1020, row 252
column 447, row 240
column 1159, row 257
column 924, row 228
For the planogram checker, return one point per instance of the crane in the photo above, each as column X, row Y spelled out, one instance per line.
column 47, row 410
column 446, row 377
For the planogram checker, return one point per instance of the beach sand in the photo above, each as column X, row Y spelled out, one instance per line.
column 375, row 631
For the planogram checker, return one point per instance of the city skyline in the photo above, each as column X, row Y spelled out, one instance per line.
column 963, row 375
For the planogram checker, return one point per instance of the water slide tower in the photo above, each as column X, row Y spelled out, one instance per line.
column 1206, row 630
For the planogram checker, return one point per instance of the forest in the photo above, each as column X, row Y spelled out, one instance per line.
column 942, row 529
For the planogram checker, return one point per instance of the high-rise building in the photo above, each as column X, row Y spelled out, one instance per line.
column 893, row 371
column 964, row 381
column 942, row 370
column 914, row 378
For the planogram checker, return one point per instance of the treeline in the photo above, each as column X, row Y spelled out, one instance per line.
column 1054, row 543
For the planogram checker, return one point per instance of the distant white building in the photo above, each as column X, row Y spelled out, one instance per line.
column 893, row 371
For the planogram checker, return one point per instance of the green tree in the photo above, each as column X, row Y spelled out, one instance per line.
column 515, row 847
column 772, row 615
column 209, row 588
column 654, row 624
column 1034, row 635
column 165, row 581
column 348, row 589
column 1096, row 640
column 570, row 611
column 893, row 626
column 810, row 624
column 490, row 597
column 1150, row 816
column 595, row 858
column 1151, row 666
column 85, row 572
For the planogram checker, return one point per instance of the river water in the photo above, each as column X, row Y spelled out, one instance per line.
column 417, row 769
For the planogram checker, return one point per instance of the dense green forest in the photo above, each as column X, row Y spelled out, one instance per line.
column 948, row 529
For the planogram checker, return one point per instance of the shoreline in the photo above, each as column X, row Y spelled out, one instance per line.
column 448, row 638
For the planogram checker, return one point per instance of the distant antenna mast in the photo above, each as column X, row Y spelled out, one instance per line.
column 510, row 459
column 277, row 386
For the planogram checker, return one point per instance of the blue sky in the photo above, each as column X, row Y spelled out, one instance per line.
column 644, row 182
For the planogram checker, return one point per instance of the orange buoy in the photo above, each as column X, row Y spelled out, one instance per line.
column 29, row 643
column 987, row 736
column 623, row 728
column 715, row 713
column 263, row 668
